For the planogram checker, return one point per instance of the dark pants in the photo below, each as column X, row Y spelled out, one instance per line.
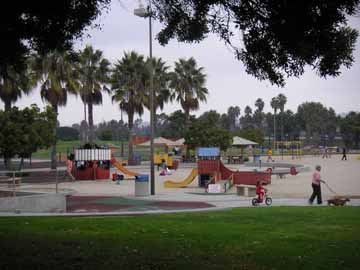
column 316, row 193
column 344, row 157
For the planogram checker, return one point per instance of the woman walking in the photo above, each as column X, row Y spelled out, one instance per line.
column 316, row 181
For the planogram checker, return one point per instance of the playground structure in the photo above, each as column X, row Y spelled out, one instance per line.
column 188, row 180
column 117, row 164
column 211, row 170
column 158, row 158
column 294, row 148
column 91, row 164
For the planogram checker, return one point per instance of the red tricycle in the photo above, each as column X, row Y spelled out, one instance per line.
column 258, row 200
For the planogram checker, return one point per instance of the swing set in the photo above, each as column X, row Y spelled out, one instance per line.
column 293, row 148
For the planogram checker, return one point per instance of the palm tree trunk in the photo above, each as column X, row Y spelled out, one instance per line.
column 85, row 135
column 91, row 123
column 85, row 111
column 53, row 149
column 7, row 105
column 131, row 125
column 187, row 126
column 282, row 126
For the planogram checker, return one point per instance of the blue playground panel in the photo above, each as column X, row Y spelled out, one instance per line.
column 208, row 152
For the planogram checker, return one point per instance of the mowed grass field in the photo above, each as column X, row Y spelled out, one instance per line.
column 64, row 146
column 243, row 238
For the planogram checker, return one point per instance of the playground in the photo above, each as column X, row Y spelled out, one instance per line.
column 107, row 195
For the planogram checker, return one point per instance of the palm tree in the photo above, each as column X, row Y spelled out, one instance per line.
column 13, row 84
column 128, row 81
column 275, row 105
column 93, row 72
column 188, row 83
column 57, row 77
column 258, row 114
column 161, row 81
column 233, row 114
column 281, row 102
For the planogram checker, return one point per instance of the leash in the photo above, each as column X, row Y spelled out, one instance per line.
column 329, row 188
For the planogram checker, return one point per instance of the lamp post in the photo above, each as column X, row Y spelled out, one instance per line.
column 142, row 12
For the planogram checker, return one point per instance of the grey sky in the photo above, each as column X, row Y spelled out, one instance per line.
column 227, row 81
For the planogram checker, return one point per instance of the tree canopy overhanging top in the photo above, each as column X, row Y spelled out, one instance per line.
column 279, row 37
column 43, row 26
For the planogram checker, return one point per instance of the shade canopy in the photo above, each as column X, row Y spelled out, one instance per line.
column 158, row 141
column 241, row 141
column 178, row 142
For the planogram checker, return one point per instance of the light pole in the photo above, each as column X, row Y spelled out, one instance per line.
column 142, row 12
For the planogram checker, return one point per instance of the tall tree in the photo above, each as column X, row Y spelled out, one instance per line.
column 258, row 114
column 13, row 84
column 247, row 119
column 233, row 113
column 350, row 129
column 279, row 38
column 128, row 81
column 161, row 81
column 275, row 105
column 312, row 117
column 42, row 27
column 210, row 118
column 23, row 132
column 281, row 102
column 57, row 76
column 188, row 83
column 93, row 71
column 175, row 125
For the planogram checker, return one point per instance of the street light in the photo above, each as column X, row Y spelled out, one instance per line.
column 142, row 12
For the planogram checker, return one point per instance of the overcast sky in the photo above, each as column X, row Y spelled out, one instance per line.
column 227, row 82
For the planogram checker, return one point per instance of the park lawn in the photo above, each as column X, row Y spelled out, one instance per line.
column 243, row 238
column 64, row 146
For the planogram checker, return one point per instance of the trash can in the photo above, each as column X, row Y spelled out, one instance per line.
column 142, row 185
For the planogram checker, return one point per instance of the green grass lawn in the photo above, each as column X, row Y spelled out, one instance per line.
column 246, row 238
column 64, row 146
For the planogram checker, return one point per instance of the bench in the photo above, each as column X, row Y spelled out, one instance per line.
column 246, row 190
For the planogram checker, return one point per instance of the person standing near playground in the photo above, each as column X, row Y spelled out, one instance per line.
column 344, row 154
column 269, row 154
column 69, row 167
column 325, row 152
column 316, row 186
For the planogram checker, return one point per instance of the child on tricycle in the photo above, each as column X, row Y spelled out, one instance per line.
column 261, row 193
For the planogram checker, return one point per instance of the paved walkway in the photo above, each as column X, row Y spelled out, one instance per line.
column 122, row 206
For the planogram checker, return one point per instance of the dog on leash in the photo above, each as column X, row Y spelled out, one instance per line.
column 338, row 201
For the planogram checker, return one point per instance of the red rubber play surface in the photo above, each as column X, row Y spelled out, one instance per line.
column 84, row 204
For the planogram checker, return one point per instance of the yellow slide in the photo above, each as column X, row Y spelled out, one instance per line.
column 121, row 168
column 184, row 183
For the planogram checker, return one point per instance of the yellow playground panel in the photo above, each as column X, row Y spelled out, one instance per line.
column 293, row 148
column 159, row 157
